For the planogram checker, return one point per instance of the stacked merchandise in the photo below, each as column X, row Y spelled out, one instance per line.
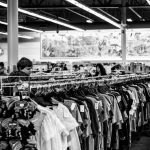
column 16, row 129
column 28, row 126
column 85, row 116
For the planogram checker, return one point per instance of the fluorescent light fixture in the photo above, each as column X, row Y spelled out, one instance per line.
column 30, row 29
column 89, row 21
column 49, row 19
column 25, row 37
column 45, row 18
column 86, row 8
column 22, row 27
column 148, row 1
column 3, row 4
column 20, row 36
column 129, row 20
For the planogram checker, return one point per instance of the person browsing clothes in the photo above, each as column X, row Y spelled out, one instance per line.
column 100, row 70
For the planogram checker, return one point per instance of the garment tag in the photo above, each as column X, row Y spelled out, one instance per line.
column 125, row 114
column 73, row 106
column 96, row 105
column 21, row 105
column 119, row 99
column 66, row 115
column 81, row 108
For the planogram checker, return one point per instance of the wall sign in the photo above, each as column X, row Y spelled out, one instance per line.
column 138, row 44
column 104, row 44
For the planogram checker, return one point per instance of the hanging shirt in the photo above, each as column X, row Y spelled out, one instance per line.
column 51, row 133
column 70, row 124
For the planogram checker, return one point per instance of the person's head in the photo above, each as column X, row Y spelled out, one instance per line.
column 116, row 67
column 2, row 67
column 25, row 65
column 100, row 70
column 75, row 67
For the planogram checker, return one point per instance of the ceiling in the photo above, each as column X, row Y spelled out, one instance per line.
column 137, row 10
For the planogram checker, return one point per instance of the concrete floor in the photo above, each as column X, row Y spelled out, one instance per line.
column 142, row 144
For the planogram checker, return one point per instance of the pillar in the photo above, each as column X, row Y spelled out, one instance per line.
column 123, row 30
column 12, row 29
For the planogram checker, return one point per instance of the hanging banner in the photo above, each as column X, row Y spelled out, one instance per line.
column 95, row 44
column 138, row 44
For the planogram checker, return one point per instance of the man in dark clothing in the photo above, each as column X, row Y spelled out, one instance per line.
column 24, row 67
column 2, row 69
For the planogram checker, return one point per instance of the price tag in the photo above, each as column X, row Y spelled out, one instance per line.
column 73, row 106
column 21, row 105
column 96, row 106
column 66, row 115
column 81, row 108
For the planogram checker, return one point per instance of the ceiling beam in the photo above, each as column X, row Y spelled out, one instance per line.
column 93, row 26
column 83, row 16
column 106, row 13
column 91, row 6
column 137, row 14
column 56, row 21
column 93, row 12
column 67, row 6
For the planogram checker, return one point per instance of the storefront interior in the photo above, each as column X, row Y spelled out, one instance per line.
column 74, row 74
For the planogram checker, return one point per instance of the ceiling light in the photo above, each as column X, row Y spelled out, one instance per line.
column 49, row 19
column 45, row 18
column 148, row 1
column 89, row 21
column 22, row 27
column 129, row 20
column 20, row 36
column 74, row 2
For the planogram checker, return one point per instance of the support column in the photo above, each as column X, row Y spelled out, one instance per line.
column 12, row 19
column 123, row 30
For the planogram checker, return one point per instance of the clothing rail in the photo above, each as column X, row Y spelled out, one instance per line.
column 107, row 79
column 86, row 81
column 101, row 79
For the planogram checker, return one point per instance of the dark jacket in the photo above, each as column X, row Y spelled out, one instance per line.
column 17, row 76
column 3, row 74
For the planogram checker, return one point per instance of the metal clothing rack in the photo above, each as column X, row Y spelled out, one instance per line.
column 97, row 80
column 102, row 80
column 65, row 83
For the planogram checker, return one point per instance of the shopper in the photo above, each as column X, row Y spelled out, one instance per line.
column 118, row 69
column 100, row 70
column 75, row 68
column 2, row 69
column 65, row 67
column 24, row 67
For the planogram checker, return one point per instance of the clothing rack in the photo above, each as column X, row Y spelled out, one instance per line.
column 75, row 83
column 102, row 80
column 95, row 80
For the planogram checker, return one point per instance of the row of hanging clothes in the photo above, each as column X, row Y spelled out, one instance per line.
column 89, row 115
column 107, row 116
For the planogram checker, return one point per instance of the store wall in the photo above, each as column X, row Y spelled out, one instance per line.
column 30, row 50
